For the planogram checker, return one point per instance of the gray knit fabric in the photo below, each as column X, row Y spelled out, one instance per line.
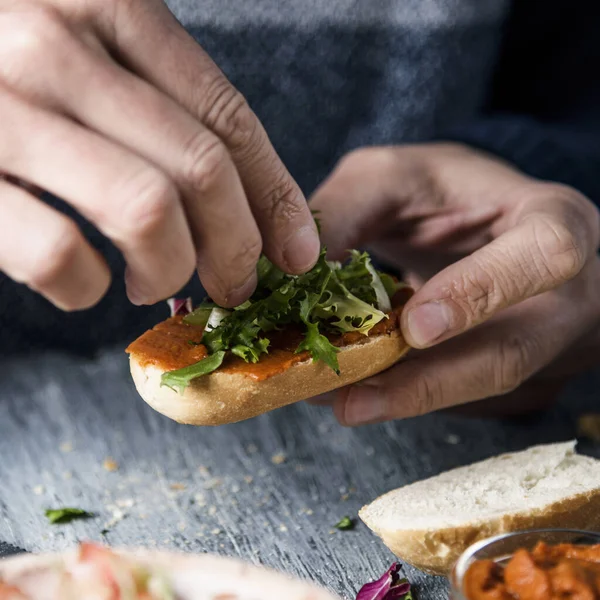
column 324, row 76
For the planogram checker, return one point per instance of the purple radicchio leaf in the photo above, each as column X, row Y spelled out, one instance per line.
column 388, row 587
column 180, row 306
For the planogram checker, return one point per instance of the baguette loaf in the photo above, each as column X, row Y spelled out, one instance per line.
column 226, row 397
column 430, row 523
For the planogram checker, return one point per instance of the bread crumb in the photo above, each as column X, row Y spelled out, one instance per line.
column 117, row 516
column 66, row 447
column 212, row 511
column 110, row 465
column 235, row 488
column 279, row 458
column 213, row 483
column 178, row 487
column 216, row 531
column 38, row 490
column 125, row 503
column 200, row 499
column 283, row 528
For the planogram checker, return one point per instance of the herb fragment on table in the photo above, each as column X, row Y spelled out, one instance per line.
column 345, row 524
column 59, row 516
column 390, row 586
column 330, row 300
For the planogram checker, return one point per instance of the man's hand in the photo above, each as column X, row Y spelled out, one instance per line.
column 110, row 105
column 505, row 267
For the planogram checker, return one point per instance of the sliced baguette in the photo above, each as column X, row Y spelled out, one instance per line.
column 430, row 523
column 223, row 397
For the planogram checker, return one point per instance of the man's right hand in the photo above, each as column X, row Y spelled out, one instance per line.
column 111, row 106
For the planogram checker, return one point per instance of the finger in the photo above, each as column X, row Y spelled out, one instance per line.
column 490, row 361
column 132, row 202
column 151, row 43
column 46, row 251
column 124, row 108
column 379, row 192
column 549, row 243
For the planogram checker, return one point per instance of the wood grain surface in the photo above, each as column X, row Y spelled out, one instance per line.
column 268, row 490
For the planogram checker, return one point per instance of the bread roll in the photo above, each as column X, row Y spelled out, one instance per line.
column 429, row 524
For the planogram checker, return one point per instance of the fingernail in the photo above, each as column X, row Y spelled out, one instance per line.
column 241, row 293
column 365, row 404
column 428, row 322
column 302, row 250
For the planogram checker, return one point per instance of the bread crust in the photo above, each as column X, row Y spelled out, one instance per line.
column 221, row 398
column 436, row 551
column 201, row 577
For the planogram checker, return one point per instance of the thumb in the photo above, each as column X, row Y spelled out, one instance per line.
column 549, row 245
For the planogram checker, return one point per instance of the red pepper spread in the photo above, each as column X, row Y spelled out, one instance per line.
column 562, row 572
column 174, row 344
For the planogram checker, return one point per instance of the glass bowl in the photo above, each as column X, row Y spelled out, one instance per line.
column 500, row 548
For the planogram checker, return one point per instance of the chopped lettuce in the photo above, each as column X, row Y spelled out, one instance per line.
column 345, row 524
column 320, row 347
column 180, row 379
column 331, row 299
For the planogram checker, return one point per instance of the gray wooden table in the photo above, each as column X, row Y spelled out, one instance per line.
column 268, row 490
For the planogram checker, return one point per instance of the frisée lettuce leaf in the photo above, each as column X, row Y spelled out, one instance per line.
column 330, row 300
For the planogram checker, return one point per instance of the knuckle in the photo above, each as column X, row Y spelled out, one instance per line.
column 477, row 294
column 205, row 161
column 511, row 363
column 56, row 251
column 281, row 201
column 405, row 171
column 230, row 116
column 29, row 36
column 426, row 396
column 559, row 252
column 149, row 197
